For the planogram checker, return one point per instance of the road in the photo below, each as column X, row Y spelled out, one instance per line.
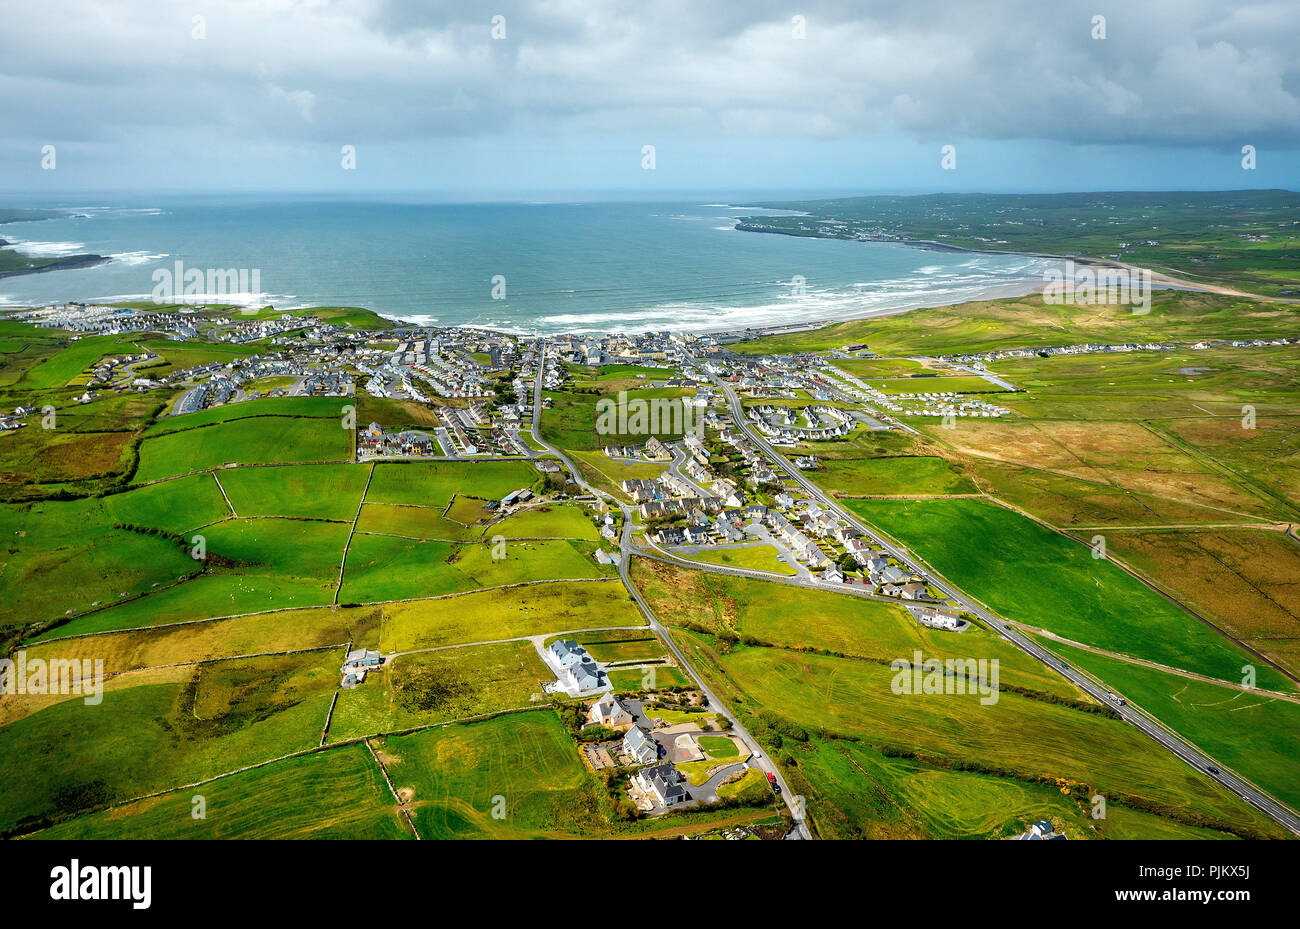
column 758, row 757
column 1146, row 724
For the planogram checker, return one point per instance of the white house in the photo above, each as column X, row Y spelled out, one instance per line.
column 566, row 653
column 663, row 782
column 639, row 744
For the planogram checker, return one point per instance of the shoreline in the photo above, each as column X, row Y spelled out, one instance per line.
column 1159, row 279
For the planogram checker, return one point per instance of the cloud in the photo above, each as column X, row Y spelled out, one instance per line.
column 1194, row 73
column 302, row 100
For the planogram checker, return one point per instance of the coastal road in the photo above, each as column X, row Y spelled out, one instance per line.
column 1145, row 723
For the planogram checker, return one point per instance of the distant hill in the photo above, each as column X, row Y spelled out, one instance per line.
column 1248, row 239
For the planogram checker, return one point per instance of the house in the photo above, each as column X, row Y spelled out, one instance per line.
column 833, row 573
column 656, row 450
column 566, row 654
column 516, row 496
column 891, row 575
column 609, row 711
column 1041, row 831
column 605, row 557
column 639, row 744
column 663, row 782
column 913, row 591
column 940, row 619
column 583, row 676
column 362, row 658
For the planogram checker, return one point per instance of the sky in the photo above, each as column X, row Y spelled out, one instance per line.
column 545, row 98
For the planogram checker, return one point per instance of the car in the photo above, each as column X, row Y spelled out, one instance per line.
column 1211, row 769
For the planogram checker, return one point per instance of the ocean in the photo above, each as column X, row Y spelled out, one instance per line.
column 557, row 267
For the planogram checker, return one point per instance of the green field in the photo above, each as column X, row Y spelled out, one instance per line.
column 208, row 720
column 338, row 794
column 296, row 407
column 889, row 476
column 454, row 775
column 414, row 522
column 571, row 421
column 434, row 483
column 719, row 746
column 777, row 614
column 507, row 613
column 435, row 687
column 753, row 557
column 1255, row 734
column 176, row 506
column 70, row 552
column 257, row 440
column 389, row 568
column 548, row 522
column 326, row 491
column 1039, row 577
column 1083, row 752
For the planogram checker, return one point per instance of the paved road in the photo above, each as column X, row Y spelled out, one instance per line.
column 758, row 758
column 1148, row 725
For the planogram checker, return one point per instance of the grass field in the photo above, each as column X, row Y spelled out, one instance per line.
column 414, row 522
column 506, row 613
column 324, row 491
column 623, row 645
column 339, row 794
column 753, row 557
column 1267, row 456
column 571, row 421
column 176, row 506
column 204, row 596
column 890, row 475
column 718, row 746
column 70, row 552
column 1256, row 735
column 548, row 522
column 777, row 614
column 388, row 568
column 212, row 719
column 650, row 677
column 855, row 791
column 434, row 483
column 264, row 633
column 1078, row 751
column 433, row 687
column 256, row 440
column 293, row 407
column 454, row 775
column 1126, row 456
column 1246, row 581
column 1067, row 502
column 1039, row 577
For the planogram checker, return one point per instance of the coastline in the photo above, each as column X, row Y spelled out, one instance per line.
column 1159, row 279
